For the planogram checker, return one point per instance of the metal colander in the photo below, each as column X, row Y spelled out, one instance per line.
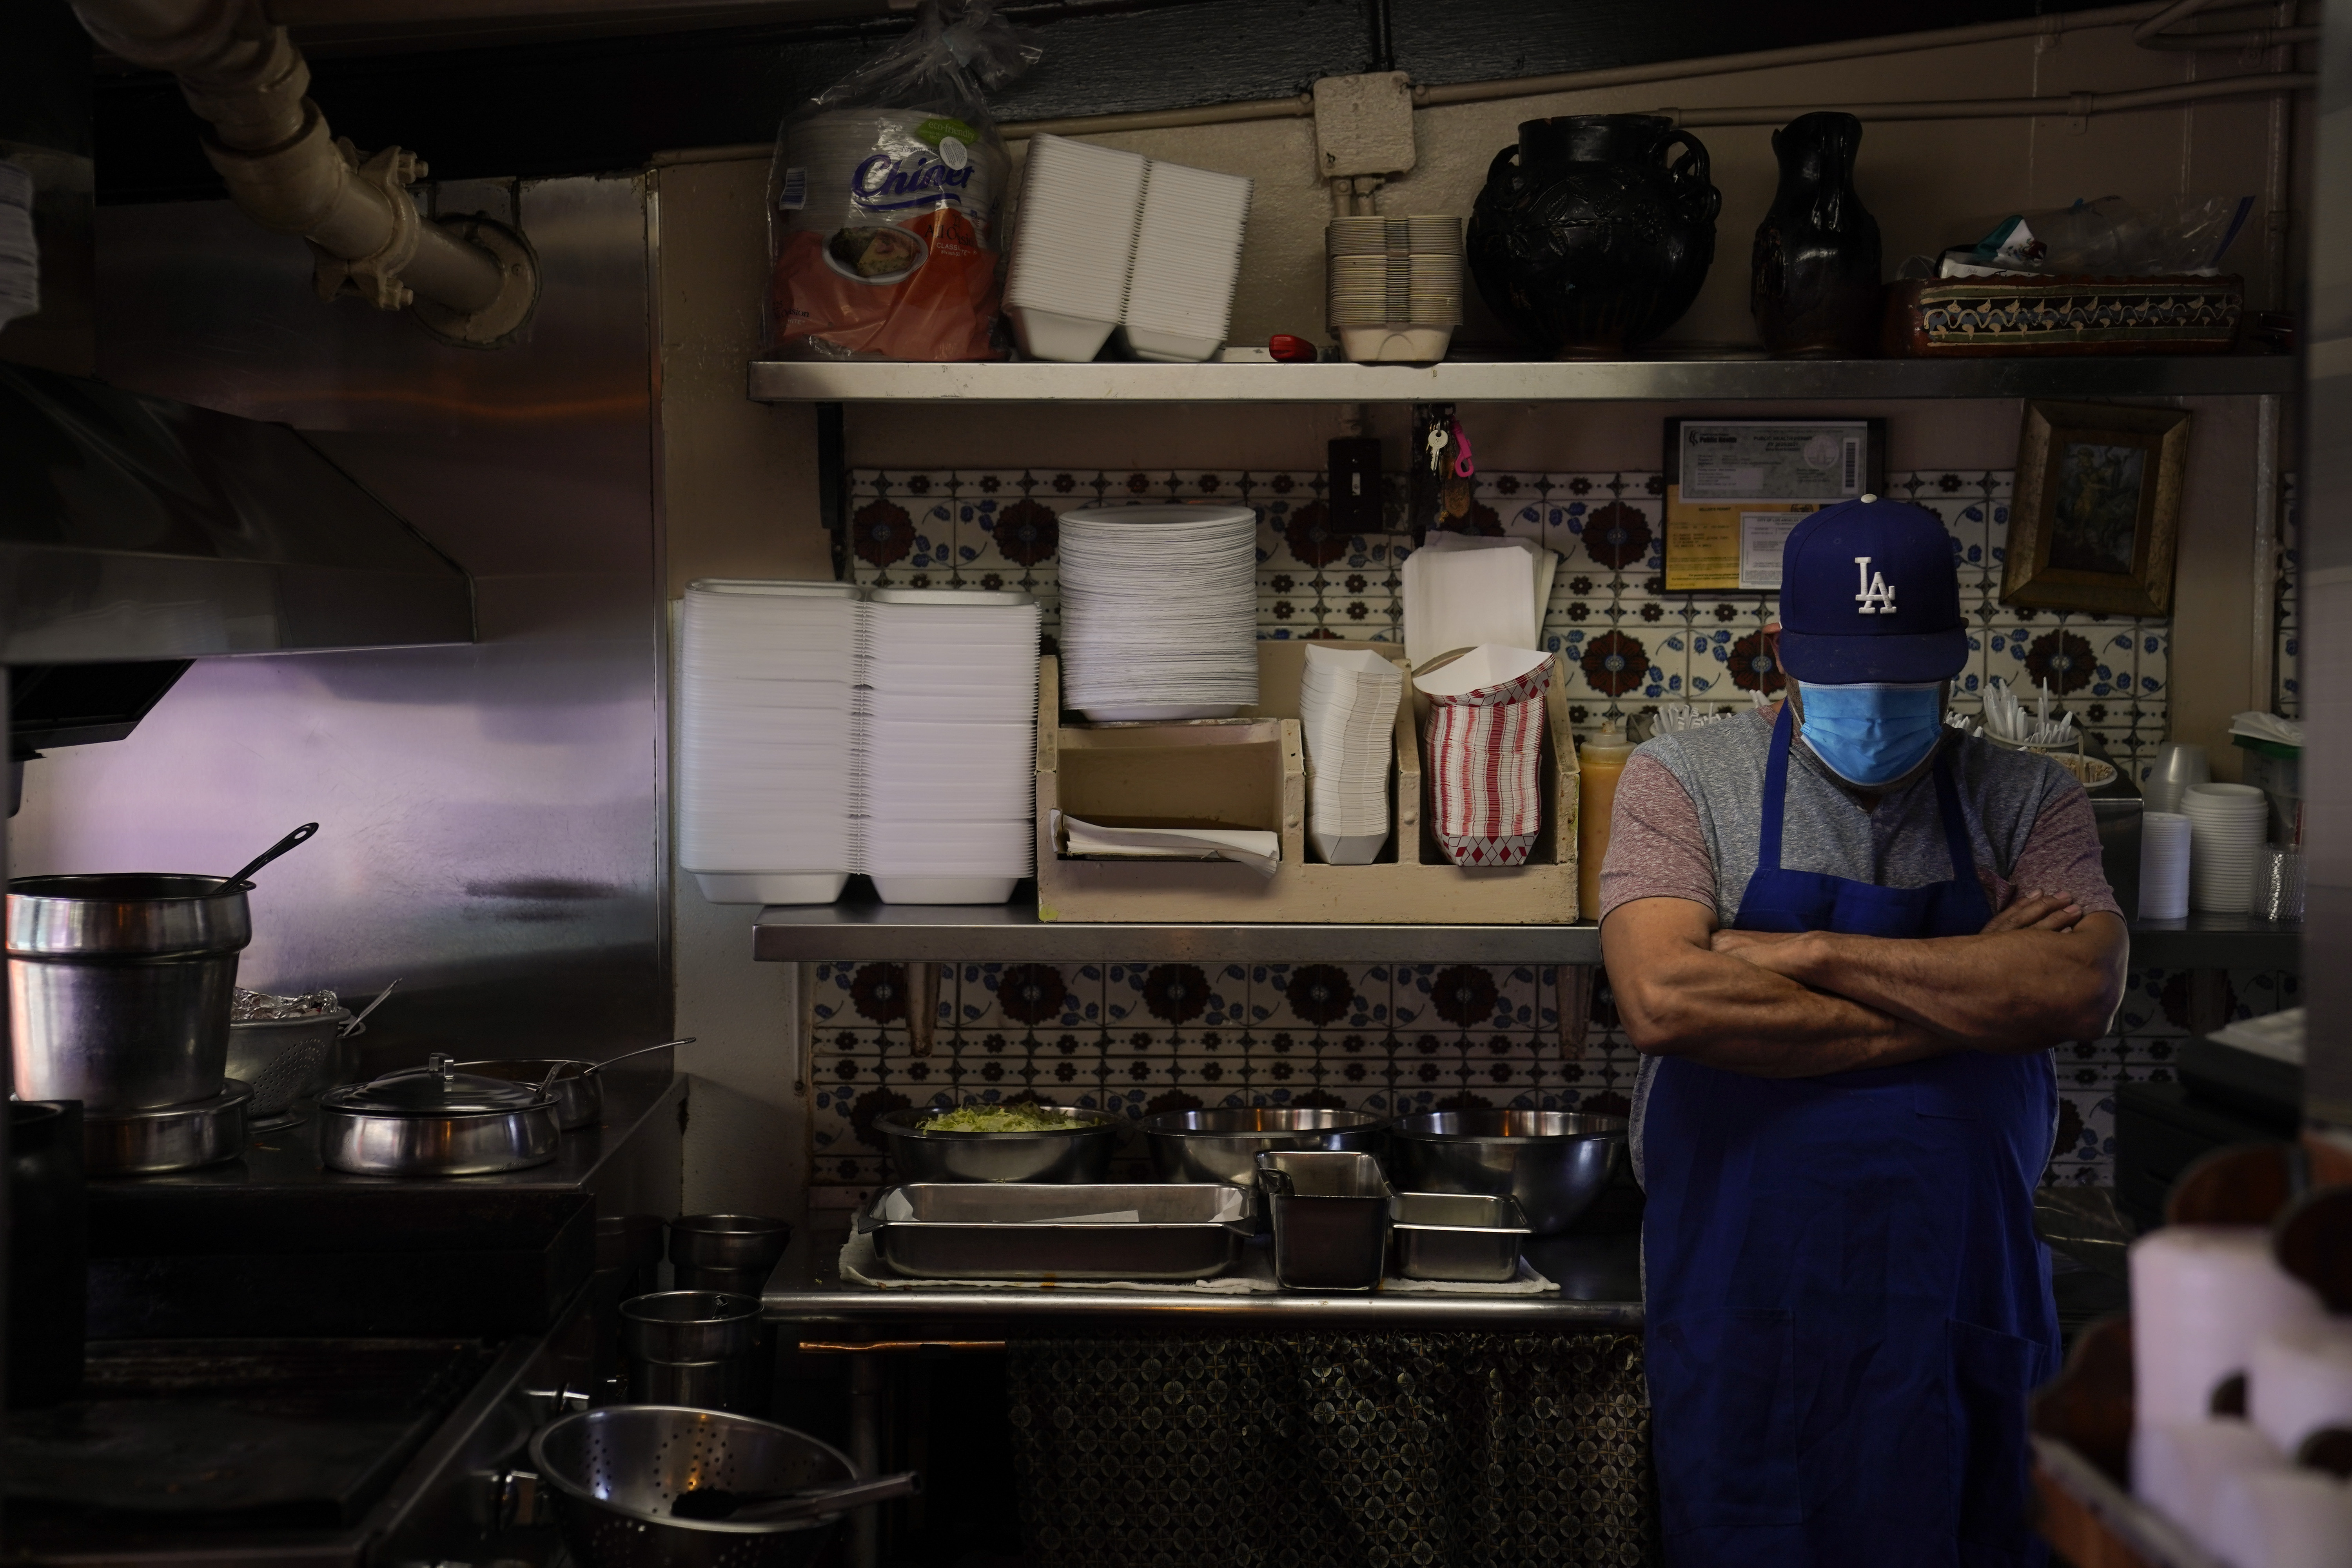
column 288, row 1060
column 616, row 1472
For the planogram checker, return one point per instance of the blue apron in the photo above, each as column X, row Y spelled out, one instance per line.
column 1847, row 1303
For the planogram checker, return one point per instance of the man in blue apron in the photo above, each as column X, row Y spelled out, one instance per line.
column 1844, row 938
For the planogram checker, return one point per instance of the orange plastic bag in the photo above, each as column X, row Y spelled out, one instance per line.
column 883, row 201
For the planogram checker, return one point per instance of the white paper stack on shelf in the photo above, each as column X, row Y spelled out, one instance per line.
column 766, row 679
column 1347, row 709
column 1188, row 258
column 947, row 764
column 1254, row 847
column 1159, row 612
column 1467, row 590
column 1072, row 247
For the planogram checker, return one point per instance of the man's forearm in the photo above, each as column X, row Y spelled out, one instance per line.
column 2006, row 991
column 1723, row 1011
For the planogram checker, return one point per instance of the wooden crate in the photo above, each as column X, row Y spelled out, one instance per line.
column 1253, row 773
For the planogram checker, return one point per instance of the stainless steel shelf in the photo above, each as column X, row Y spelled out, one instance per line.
column 860, row 930
column 1599, row 1276
column 1620, row 381
column 2218, row 942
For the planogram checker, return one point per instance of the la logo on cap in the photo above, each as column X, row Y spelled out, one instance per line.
column 1877, row 595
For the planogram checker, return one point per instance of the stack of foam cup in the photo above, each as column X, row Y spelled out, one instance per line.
column 2300, row 1381
column 2280, row 1519
column 2201, row 1295
column 1348, row 712
column 2204, row 1298
column 2164, row 858
column 2228, row 825
column 1072, row 246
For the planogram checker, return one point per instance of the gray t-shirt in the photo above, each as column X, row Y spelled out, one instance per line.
column 2016, row 807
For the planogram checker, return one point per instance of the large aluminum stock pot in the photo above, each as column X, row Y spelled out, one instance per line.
column 120, row 985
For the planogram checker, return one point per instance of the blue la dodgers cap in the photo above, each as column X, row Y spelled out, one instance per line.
column 1869, row 592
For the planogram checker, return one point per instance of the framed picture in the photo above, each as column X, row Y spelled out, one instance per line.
column 2096, row 513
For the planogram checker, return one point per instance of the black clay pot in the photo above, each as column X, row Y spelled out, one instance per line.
column 49, row 1251
column 1586, row 240
column 1814, row 283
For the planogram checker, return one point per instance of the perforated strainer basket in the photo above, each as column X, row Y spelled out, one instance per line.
column 617, row 1471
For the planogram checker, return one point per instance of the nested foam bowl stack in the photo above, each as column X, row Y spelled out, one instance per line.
column 1066, row 283
column 765, row 681
column 947, row 764
column 1188, row 259
column 1159, row 612
column 2228, row 824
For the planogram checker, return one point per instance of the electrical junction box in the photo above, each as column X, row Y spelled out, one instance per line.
column 1363, row 124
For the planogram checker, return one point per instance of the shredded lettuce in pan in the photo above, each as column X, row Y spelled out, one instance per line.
column 1021, row 1118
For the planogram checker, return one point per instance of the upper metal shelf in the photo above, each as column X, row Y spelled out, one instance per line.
column 1616, row 380
column 860, row 928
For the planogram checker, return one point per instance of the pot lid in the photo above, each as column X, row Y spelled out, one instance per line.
column 437, row 1089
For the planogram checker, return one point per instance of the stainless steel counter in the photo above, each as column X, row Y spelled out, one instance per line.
column 1598, row 1276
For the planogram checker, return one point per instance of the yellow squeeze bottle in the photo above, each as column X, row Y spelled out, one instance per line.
column 1598, row 760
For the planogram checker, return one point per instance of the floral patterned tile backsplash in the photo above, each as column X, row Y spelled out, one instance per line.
column 1140, row 1038
column 1143, row 1038
column 1626, row 643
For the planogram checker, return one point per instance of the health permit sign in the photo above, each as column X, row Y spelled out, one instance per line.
column 1736, row 487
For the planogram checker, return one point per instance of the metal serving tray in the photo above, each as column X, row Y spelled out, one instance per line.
column 958, row 1230
column 1461, row 1236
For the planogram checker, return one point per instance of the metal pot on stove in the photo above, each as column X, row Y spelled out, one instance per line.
column 434, row 1120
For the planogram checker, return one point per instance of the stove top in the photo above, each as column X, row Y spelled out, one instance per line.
column 226, row 1438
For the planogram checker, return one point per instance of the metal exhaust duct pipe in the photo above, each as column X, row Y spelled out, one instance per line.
column 288, row 172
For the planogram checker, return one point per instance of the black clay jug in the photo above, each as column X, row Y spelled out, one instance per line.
column 1814, row 284
column 1586, row 240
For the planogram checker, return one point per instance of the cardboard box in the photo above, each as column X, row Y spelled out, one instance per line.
column 1252, row 772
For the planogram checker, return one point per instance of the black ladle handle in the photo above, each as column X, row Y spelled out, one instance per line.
column 301, row 835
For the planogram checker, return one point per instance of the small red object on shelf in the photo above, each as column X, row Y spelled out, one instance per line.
column 1292, row 349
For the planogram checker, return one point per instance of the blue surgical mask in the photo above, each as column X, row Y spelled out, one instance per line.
column 1873, row 734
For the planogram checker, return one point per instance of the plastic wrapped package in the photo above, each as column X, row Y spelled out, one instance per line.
column 883, row 199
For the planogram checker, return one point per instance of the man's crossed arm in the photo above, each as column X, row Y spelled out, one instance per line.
column 1798, row 1006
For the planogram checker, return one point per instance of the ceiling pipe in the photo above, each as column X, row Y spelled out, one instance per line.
column 288, row 172
column 2153, row 33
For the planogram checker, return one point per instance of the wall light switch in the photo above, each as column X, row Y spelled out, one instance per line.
column 1363, row 124
column 1354, row 497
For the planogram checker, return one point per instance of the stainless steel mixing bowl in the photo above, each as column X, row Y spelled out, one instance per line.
column 1080, row 1154
column 1223, row 1144
column 1556, row 1163
column 618, row 1470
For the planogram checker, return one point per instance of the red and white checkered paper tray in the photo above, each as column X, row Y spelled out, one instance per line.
column 1483, row 750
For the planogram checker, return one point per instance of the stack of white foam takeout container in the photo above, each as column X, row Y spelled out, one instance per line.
column 1105, row 240
column 1347, row 713
column 1188, row 259
column 823, row 731
column 1394, row 285
column 766, row 677
column 947, row 771
column 1159, row 612
column 1072, row 247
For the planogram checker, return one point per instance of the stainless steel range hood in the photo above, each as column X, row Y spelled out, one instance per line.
column 138, row 528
